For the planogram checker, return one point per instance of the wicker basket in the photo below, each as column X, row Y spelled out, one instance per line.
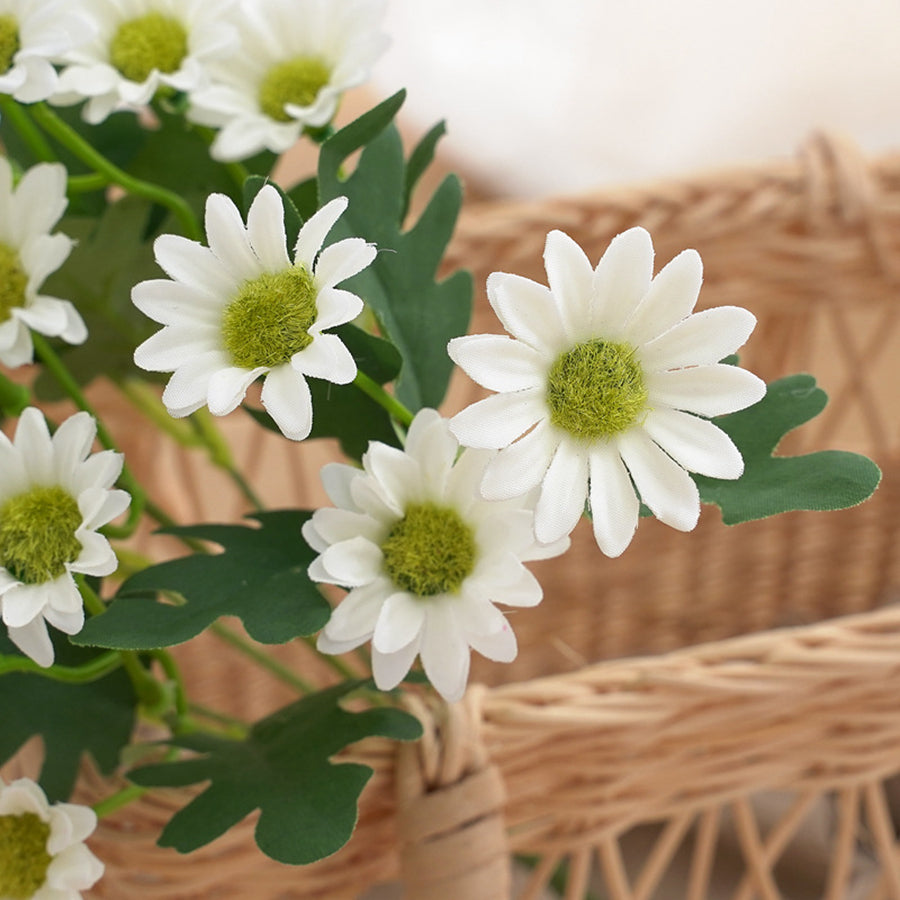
column 713, row 714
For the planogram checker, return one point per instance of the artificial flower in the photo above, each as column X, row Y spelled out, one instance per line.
column 42, row 851
column 240, row 308
column 28, row 254
column 605, row 388
column 34, row 34
column 140, row 46
column 425, row 558
column 297, row 58
column 54, row 495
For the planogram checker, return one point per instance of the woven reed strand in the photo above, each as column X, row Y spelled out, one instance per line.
column 588, row 749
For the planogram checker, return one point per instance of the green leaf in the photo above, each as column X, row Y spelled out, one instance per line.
column 260, row 577
column 308, row 805
column 343, row 410
column 111, row 255
column 73, row 719
column 825, row 480
column 13, row 398
column 417, row 313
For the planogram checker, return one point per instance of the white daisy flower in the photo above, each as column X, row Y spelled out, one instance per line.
column 297, row 58
column 33, row 34
column 28, row 254
column 140, row 46
column 42, row 851
column 54, row 496
column 424, row 557
column 240, row 309
column 605, row 389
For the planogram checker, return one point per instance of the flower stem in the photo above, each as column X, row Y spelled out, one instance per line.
column 32, row 136
column 93, row 670
column 250, row 650
column 377, row 393
column 83, row 184
column 116, row 801
column 68, row 137
column 58, row 370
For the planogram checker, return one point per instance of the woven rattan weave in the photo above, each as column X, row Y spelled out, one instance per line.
column 679, row 720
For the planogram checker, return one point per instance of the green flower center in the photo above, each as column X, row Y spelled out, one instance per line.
column 429, row 551
column 13, row 282
column 37, row 534
column 9, row 41
column 24, row 859
column 297, row 81
column 596, row 389
column 269, row 320
column 149, row 42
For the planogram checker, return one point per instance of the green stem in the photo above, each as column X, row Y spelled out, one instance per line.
column 94, row 670
column 68, row 137
column 250, row 650
column 83, row 184
column 58, row 370
column 32, row 136
column 173, row 673
column 377, row 393
column 237, row 726
column 116, row 801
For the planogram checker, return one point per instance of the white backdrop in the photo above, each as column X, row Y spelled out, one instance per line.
column 550, row 96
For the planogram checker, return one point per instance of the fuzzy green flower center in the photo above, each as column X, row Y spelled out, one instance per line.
column 9, row 41
column 13, row 281
column 269, row 320
column 24, row 859
column 153, row 41
column 297, row 81
column 37, row 534
column 596, row 389
column 429, row 551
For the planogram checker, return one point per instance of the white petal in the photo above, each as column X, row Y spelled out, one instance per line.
column 696, row 444
column 343, row 260
column 663, row 485
column 67, row 621
column 431, row 444
column 74, row 869
column 44, row 315
column 499, row 363
column 671, row 297
column 227, row 388
column 285, row 395
column 173, row 346
column 100, row 470
column 705, row 390
column 569, row 273
column 354, row 618
column 195, row 265
column 522, row 588
column 336, row 478
column 32, row 440
column 34, row 641
column 96, row 556
column 265, row 229
column 518, row 468
column 74, row 331
column 620, row 282
column 397, row 475
column 335, row 307
column 498, row 420
column 173, row 303
column 312, row 537
column 353, row 563
column 335, row 525
column 445, row 652
column 43, row 255
column 188, row 387
column 615, row 508
column 25, row 603
column 399, row 622
column 39, row 200
column 498, row 647
column 312, row 234
column 389, row 669
column 527, row 311
column 701, row 339
column 228, row 239
column 327, row 358
column 563, row 493
column 72, row 443
column 20, row 350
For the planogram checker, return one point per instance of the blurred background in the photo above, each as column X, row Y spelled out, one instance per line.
column 558, row 96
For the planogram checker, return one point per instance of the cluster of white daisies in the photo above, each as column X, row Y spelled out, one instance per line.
column 604, row 387
column 258, row 70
